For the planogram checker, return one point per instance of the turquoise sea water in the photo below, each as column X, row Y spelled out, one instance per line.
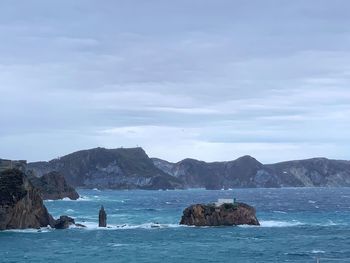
column 297, row 225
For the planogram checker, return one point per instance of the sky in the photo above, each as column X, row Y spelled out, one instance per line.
column 205, row 79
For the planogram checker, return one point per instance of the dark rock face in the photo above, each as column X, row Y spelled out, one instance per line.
column 102, row 218
column 64, row 222
column 21, row 205
column 53, row 186
column 224, row 215
column 109, row 168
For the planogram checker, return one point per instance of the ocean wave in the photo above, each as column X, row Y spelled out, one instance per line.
column 83, row 198
column 315, row 251
column 94, row 226
column 280, row 212
column 30, row 230
column 274, row 223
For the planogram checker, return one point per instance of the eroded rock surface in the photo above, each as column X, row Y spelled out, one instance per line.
column 21, row 205
column 53, row 186
column 224, row 215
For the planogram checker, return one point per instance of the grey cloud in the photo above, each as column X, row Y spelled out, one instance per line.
column 241, row 76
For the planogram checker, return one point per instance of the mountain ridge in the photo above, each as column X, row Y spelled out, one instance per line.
column 131, row 168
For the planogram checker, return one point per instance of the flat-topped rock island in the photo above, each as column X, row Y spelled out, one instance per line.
column 219, row 214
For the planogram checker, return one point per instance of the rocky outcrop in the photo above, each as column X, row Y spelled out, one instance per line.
column 21, row 205
column 53, row 186
column 224, row 215
column 123, row 168
column 102, row 217
column 65, row 222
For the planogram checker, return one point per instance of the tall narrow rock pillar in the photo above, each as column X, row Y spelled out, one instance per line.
column 102, row 217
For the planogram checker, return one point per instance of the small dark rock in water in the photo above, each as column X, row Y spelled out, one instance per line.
column 64, row 222
column 223, row 215
column 102, row 218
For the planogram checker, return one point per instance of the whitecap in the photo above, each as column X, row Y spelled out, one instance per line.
column 94, row 226
column 315, row 251
column 274, row 223
column 30, row 230
column 280, row 212
column 84, row 198
column 312, row 201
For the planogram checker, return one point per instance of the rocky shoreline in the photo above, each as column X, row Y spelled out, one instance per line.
column 21, row 204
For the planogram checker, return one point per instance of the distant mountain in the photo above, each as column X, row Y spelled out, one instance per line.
column 312, row 172
column 121, row 168
column 131, row 168
column 248, row 172
column 243, row 172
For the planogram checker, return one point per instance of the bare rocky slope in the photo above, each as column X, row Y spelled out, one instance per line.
column 133, row 169
column 248, row 172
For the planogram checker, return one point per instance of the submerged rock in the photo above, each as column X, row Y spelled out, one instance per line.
column 223, row 215
column 64, row 222
column 102, row 218
column 21, row 205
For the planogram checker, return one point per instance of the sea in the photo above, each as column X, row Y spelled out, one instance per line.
column 297, row 225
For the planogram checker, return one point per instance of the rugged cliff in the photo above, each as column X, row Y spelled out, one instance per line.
column 109, row 168
column 53, row 186
column 224, row 215
column 21, row 205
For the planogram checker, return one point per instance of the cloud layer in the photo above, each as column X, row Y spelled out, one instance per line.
column 211, row 80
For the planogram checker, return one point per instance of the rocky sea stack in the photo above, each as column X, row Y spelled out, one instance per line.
column 223, row 215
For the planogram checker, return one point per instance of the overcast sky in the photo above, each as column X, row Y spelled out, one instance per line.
column 211, row 80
